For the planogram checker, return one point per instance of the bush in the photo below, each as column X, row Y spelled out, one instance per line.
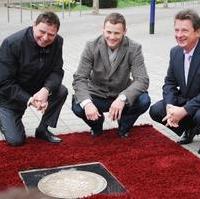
column 108, row 3
column 102, row 3
column 66, row 3
column 87, row 3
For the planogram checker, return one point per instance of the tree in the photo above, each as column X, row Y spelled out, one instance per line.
column 95, row 7
column 165, row 3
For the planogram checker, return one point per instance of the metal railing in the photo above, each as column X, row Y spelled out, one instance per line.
column 31, row 5
column 21, row 5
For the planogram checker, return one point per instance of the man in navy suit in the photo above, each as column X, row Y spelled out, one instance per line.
column 180, row 107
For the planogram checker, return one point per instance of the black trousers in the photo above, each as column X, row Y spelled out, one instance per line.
column 129, row 114
column 11, row 120
column 158, row 112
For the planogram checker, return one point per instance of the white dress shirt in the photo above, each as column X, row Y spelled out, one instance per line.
column 187, row 61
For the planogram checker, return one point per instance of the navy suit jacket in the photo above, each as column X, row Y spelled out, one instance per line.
column 175, row 90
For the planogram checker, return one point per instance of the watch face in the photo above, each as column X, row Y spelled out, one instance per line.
column 122, row 98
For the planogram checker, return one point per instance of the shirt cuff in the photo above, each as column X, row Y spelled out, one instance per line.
column 29, row 101
column 50, row 93
column 84, row 102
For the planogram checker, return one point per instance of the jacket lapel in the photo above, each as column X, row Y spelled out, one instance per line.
column 180, row 62
column 104, row 54
column 194, row 65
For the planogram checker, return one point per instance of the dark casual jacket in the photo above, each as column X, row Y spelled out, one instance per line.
column 26, row 67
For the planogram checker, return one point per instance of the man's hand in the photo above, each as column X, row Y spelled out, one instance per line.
column 40, row 100
column 174, row 115
column 170, row 122
column 39, row 106
column 91, row 112
column 116, row 109
column 41, row 95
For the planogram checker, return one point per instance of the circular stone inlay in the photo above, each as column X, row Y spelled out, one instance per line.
column 72, row 184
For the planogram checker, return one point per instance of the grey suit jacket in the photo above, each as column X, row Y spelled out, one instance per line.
column 96, row 76
column 175, row 90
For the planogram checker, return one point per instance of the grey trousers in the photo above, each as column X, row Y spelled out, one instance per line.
column 11, row 120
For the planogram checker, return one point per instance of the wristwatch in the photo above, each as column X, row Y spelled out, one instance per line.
column 122, row 97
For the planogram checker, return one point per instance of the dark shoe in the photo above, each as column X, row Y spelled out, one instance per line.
column 122, row 131
column 47, row 135
column 96, row 133
column 187, row 136
column 122, row 134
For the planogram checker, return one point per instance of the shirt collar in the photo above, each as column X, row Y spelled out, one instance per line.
column 110, row 51
column 191, row 52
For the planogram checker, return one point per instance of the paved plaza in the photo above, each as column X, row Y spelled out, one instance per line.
column 77, row 28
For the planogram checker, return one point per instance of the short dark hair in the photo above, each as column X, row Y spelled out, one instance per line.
column 115, row 18
column 191, row 15
column 49, row 18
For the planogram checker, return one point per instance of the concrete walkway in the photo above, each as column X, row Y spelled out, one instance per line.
column 76, row 30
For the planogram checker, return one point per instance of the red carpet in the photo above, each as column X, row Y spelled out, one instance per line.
column 148, row 164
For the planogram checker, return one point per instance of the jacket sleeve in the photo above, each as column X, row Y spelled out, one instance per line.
column 54, row 80
column 140, row 79
column 9, row 88
column 170, row 87
column 193, row 105
column 81, row 76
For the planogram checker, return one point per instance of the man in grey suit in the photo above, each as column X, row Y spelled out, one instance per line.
column 180, row 107
column 112, row 78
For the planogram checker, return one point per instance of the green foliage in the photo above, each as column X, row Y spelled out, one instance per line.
column 102, row 3
column 87, row 3
column 129, row 3
column 58, row 5
column 65, row 3
column 108, row 4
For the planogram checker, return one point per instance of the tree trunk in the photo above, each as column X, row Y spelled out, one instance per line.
column 95, row 7
column 165, row 4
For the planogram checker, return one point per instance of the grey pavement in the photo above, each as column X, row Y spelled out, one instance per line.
column 76, row 30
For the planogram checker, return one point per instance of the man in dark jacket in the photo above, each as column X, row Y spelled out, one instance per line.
column 180, row 107
column 31, row 75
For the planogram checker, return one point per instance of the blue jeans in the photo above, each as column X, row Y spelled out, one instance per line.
column 129, row 114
